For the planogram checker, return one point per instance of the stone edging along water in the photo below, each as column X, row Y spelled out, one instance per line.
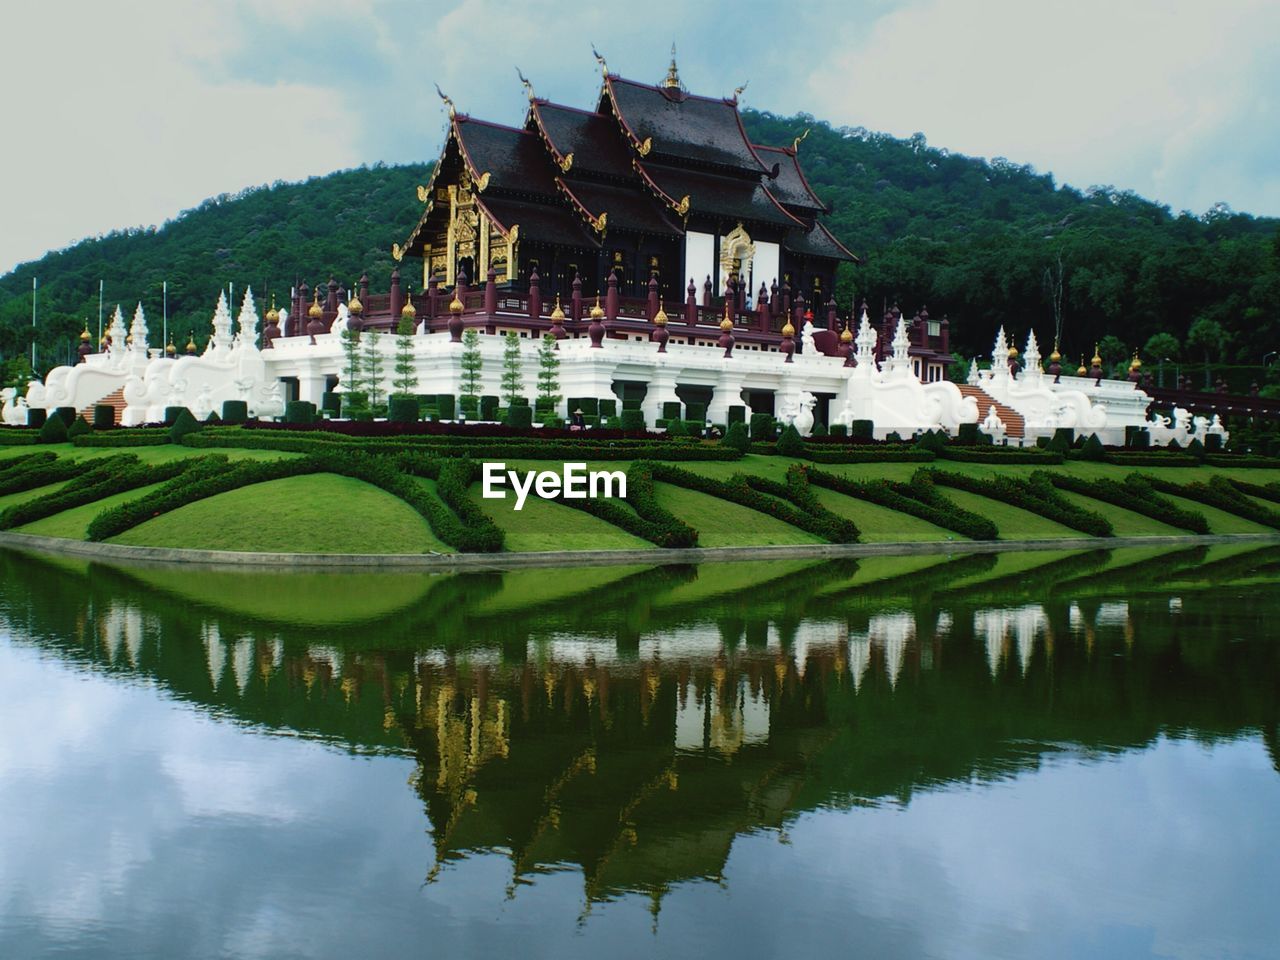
column 564, row 558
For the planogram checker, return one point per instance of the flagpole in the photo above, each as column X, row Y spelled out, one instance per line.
column 164, row 342
column 98, row 345
column 34, row 285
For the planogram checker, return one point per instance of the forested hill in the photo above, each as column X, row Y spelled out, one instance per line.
column 980, row 241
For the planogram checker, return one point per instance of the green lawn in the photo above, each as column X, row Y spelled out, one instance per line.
column 316, row 513
column 1219, row 520
column 13, row 499
column 721, row 523
column 880, row 524
column 547, row 525
column 1124, row 523
column 1013, row 523
column 74, row 523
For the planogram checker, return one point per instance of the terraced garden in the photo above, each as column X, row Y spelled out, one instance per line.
column 284, row 493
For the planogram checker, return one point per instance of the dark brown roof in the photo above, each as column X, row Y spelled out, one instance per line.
column 682, row 125
column 539, row 221
column 730, row 197
column 514, row 159
column 790, row 186
column 819, row 242
column 627, row 208
column 592, row 139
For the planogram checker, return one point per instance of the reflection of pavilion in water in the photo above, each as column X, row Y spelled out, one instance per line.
column 639, row 763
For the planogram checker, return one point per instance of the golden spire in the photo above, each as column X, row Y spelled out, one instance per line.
column 408, row 311
column 85, row 336
column 191, row 343
column 1136, row 363
column 1013, row 352
column 557, row 312
column 315, row 311
column 660, row 318
column 273, row 315
column 1055, row 356
column 455, row 305
column 846, row 335
column 597, row 312
column 353, row 304
column 672, row 81
column 1083, row 371
column 1097, row 357
column 727, row 323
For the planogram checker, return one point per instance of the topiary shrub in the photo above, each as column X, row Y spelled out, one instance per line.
column 837, row 430
column 553, row 423
column 68, row 415
column 819, row 430
column 737, row 413
column 736, row 438
column 1137, row 438
column 402, row 409
column 184, row 424
column 790, row 443
column 608, row 408
column 36, row 416
column 171, row 415
column 470, row 406
column 1196, row 449
column 675, row 428
column 1063, row 440
column 330, row 403
column 237, row 411
column 696, row 412
column 79, row 427
column 862, row 430
column 968, row 433
column 299, row 411
column 213, row 418
column 632, row 421
column 671, row 410
column 54, row 430
column 762, row 426
column 1093, row 449
column 520, row 416
column 1212, row 442
column 104, row 416
column 445, row 406
column 488, row 407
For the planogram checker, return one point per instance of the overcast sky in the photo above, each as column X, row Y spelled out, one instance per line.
column 120, row 114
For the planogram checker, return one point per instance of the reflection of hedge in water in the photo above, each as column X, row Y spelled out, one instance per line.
column 1034, row 582
column 575, row 762
column 1152, row 570
column 1219, row 492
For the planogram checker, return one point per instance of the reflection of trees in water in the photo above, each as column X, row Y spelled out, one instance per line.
column 635, row 729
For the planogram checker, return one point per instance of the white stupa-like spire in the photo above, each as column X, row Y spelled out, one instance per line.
column 220, row 343
column 247, row 321
column 1000, row 357
column 865, row 343
column 974, row 378
column 138, row 333
column 117, row 332
column 1031, row 359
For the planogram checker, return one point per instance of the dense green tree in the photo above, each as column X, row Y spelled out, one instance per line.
column 371, row 365
column 472, row 363
column 549, row 372
column 512, row 377
column 406, row 378
column 1161, row 346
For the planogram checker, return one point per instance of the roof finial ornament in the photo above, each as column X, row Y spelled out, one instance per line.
column 672, row 81
column 604, row 67
column 738, row 91
column 448, row 102
column 795, row 144
column 528, row 87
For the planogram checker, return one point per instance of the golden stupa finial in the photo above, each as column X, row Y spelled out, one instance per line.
column 660, row 318
column 85, row 335
column 846, row 335
column 315, row 311
column 1083, row 371
column 1055, row 356
column 672, row 80
column 727, row 323
column 1136, row 363
column 557, row 313
column 1097, row 356
column 597, row 311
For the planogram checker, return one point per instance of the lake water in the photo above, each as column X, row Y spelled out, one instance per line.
column 1025, row 755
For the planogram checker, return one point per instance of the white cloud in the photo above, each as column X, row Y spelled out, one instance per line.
column 1145, row 94
column 118, row 122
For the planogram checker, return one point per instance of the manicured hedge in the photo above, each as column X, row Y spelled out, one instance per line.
column 867, row 454
column 445, row 406
column 736, row 437
column 999, row 455
column 520, row 416
column 104, row 416
column 237, row 411
column 185, row 425
column 68, row 415
column 1129, row 495
column 665, row 531
column 19, row 437
column 919, row 498
column 79, row 428
column 107, row 477
column 747, row 492
column 632, row 420
column 862, row 429
column 664, row 528
column 762, row 427
column 1270, row 491
column 789, row 442
column 1152, row 458
column 402, row 409
column 1242, row 460
column 129, row 437
column 1037, row 496
column 464, row 525
column 488, row 407
column 54, row 430
column 299, row 411
column 34, row 472
column 1218, row 492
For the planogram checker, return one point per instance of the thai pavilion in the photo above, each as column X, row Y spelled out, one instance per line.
column 655, row 182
